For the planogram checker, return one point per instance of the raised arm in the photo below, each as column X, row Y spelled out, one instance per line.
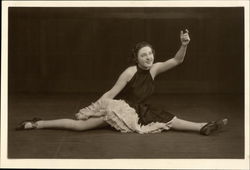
column 177, row 59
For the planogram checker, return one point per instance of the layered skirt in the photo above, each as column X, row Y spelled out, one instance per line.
column 125, row 118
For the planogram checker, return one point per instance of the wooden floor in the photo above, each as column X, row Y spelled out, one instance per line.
column 108, row 143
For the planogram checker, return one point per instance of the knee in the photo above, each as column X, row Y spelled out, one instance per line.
column 175, row 121
column 81, row 125
column 77, row 125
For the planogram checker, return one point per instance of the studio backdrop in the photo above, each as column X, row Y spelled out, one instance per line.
column 84, row 50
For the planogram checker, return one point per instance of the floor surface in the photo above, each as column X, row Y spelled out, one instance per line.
column 108, row 143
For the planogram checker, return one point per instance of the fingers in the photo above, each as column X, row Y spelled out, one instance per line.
column 184, row 34
column 184, row 37
column 80, row 116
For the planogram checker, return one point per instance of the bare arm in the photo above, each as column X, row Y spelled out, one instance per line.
column 123, row 79
column 119, row 85
column 176, row 60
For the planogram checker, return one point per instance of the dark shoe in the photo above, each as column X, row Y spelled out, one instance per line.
column 21, row 125
column 213, row 126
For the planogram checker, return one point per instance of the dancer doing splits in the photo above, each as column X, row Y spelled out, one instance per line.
column 125, row 106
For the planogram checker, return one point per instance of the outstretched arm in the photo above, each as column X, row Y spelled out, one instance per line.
column 177, row 59
column 123, row 79
column 119, row 85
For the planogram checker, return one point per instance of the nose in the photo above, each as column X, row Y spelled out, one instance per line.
column 149, row 57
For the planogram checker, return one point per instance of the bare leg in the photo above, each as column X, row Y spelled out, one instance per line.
column 179, row 124
column 78, row 125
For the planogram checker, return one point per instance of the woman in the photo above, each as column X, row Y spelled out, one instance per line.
column 124, row 106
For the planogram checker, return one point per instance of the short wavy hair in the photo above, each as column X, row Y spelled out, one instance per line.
column 133, row 59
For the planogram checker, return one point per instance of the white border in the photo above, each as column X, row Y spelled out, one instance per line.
column 118, row 163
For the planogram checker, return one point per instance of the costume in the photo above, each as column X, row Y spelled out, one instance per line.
column 129, row 110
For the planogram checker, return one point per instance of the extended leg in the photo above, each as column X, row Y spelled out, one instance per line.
column 203, row 128
column 179, row 124
column 78, row 125
column 70, row 124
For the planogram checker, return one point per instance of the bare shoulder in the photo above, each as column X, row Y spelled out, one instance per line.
column 129, row 72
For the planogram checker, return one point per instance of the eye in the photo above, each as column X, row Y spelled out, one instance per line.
column 143, row 55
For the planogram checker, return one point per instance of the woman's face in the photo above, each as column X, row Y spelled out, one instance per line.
column 145, row 57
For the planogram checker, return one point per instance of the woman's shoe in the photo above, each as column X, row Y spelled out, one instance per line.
column 28, row 124
column 213, row 126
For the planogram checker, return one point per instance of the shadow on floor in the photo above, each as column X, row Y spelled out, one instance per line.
column 108, row 143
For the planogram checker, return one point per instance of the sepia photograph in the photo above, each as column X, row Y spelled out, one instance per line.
column 141, row 82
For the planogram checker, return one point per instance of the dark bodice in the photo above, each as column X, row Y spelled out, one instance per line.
column 139, row 88
column 136, row 93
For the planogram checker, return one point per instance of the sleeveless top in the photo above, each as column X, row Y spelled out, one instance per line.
column 137, row 92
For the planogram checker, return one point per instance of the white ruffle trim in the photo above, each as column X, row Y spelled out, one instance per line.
column 121, row 116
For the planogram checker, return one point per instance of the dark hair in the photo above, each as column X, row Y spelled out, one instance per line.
column 135, row 50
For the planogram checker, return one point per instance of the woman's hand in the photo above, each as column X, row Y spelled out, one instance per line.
column 185, row 39
column 81, row 116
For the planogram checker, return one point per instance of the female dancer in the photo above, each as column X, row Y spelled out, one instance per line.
column 124, row 106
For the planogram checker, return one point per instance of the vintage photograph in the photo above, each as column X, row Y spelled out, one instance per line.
column 126, row 82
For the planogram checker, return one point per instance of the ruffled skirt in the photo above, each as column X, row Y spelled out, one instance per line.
column 121, row 116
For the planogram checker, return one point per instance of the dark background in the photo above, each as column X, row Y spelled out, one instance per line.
column 83, row 50
column 62, row 59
